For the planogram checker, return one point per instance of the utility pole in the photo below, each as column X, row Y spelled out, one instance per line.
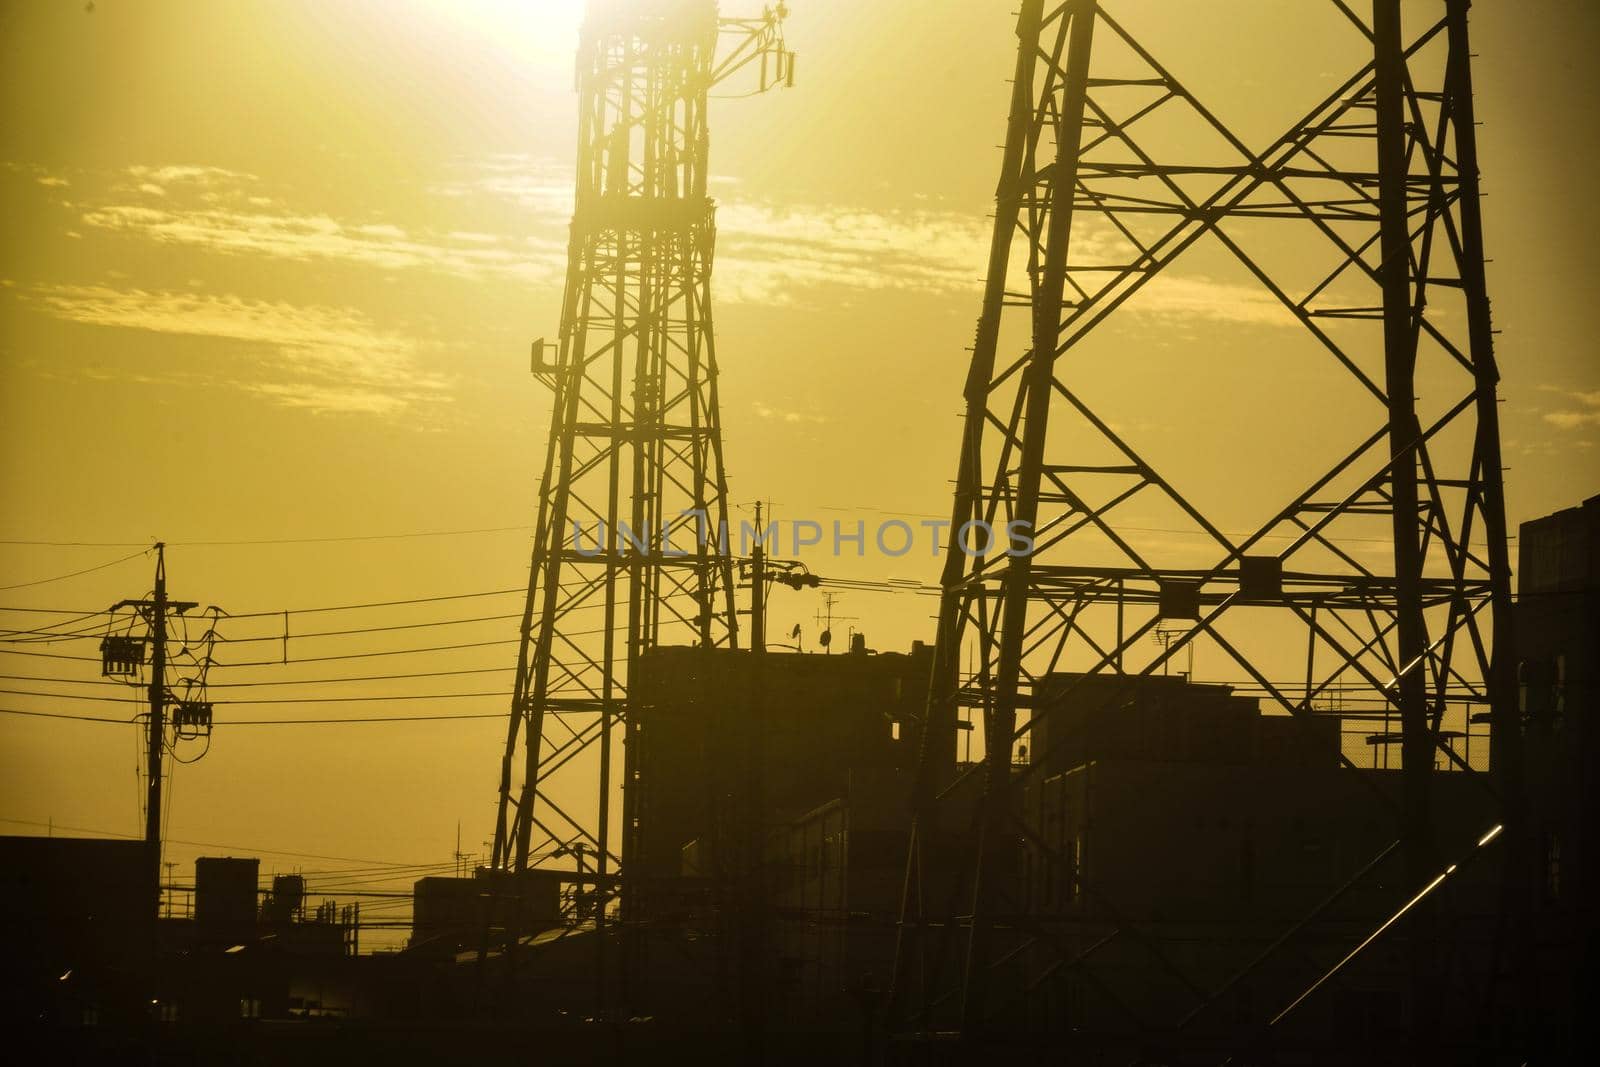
column 750, row 874
column 748, row 870
column 121, row 655
column 157, row 737
column 758, row 588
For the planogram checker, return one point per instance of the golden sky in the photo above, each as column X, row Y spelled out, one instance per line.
column 270, row 270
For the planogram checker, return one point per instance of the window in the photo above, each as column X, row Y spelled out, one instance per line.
column 250, row 1008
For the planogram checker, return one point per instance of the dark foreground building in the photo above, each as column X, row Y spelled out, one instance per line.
column 1558, row 638
column 757, row 782
column 723, row 747
column 78, row 921
column 1188, row 857
column 1178, row 833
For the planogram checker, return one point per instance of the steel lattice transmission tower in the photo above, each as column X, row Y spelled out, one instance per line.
column 1380, row 574
column 635, row 435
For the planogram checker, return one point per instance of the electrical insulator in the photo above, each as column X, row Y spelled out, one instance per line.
column 121, row 655
column 192, row 715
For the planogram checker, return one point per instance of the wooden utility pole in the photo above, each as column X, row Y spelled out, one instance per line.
column 155, row 612
column 157, row 738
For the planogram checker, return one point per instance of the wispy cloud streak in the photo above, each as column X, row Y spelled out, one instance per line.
column 311, row 237
column 322, row 359
column 767, row 254
column 1581, row 409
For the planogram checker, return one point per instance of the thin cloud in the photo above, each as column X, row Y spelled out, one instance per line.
column 303, row 238
column 1572, row 420
column 345, row 400
column 226, row 212
column 185, row 174
column 766, row 254
column 325, row 359
column 766, row 411
column 544, row 190
column 1175, row 296
column 774, row 255
column 1583, row 412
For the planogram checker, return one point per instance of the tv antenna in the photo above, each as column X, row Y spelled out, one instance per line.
column 825, row 619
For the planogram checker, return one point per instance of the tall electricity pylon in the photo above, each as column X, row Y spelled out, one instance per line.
column 1358, row 230
column 635, row 443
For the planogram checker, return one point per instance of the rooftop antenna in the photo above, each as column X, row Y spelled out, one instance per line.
column 825, row 619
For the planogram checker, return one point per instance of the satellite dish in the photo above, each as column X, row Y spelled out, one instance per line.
column 826, row 638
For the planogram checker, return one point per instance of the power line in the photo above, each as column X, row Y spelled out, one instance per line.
column 58, row 715
column 49, row 637
column 227, row 616
column 344, row 700
column 74, row 574
column 268, row 722
column 375, row 604
column 371, row 629
column 213, row 844
column 53, row 681
column 369, row 655
column 283, row 682
column 870, row 584
column 397, row 603
column 45, row 636
column 353, row 537
column 79, row 635
column 266, row 700
column 84, row 635
column 302, row 659
column 1238, row 684
column 361, row 678
column 528, row 529
column 379, row 870
column 295, row 611
column 273, row 540
column 46, row 628
column 434, row 648
column 55, row 611
column 66, row 696
column 48, row 655
column 73, row 544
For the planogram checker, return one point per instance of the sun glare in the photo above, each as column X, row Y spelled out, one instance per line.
column 538, row 31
